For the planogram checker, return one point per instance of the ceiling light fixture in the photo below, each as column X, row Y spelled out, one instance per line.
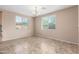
column 37, row 10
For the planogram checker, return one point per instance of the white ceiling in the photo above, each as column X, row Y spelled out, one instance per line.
column 30, row 9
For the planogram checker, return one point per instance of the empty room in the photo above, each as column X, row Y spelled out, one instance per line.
column 39, row 29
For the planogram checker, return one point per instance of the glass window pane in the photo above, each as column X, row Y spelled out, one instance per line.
column 21, row 22
column 49, row 22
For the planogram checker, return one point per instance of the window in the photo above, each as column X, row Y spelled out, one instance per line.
column 21, row 22
column 48, row 22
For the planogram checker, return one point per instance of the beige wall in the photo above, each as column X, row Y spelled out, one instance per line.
column 0, row 24
column 0, row 17
column 66, row 26
column 78, row 24
column 9, row 27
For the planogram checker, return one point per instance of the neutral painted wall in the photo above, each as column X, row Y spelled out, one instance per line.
column 66, row 26
column 78, row 24
column 0, row 17
column 9, row 27
column 0, row 24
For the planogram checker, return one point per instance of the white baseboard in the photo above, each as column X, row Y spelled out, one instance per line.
column 14, row 38
column 57, row 39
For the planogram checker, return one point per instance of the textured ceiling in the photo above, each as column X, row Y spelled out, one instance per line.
column 29, row 10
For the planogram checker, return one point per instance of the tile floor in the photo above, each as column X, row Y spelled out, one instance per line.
column 37, row 45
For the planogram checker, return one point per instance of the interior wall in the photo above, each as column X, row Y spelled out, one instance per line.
column 0, row 25
column 66, row 26
column 9, row 26
column 78, row 24
column 0, row 17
